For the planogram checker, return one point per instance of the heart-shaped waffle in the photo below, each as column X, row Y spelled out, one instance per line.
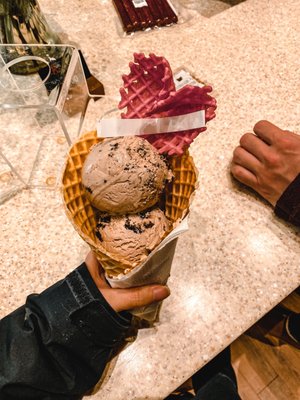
column 149, row 92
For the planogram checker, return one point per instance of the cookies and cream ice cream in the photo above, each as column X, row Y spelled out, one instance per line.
column 124, row 175
column 132, row 237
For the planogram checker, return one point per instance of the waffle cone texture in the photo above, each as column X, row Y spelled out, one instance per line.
column 178, row 195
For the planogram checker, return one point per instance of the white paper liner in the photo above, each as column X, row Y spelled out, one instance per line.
column 115, row 127
column 154, row 270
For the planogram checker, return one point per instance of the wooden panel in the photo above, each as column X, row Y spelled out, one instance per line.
column 255, row 368
column 278, row 390
column 267, row 372
column 277, row 357
column 246, row 391
column 292, row 357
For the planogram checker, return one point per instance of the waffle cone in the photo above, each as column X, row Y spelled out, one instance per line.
column 178, row 195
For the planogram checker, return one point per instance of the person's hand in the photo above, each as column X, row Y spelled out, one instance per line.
column 267, row 161
column 124, row 299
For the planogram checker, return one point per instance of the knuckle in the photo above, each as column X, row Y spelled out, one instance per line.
column 272, row 159
column 136, row 297
column 140, row 297
column 237, row 151
column 245, row 139
column 284, row 142
column 237, row 171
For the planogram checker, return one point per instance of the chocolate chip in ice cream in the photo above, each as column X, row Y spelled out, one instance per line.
column 144, row 214
column 148, row 225
column 136, row 228
column 114, row 146
column 142, row 151
column 98, row 234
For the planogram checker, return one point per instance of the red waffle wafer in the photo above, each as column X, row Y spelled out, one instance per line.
column 186, row 100
column 149, row 92
column 150, row 79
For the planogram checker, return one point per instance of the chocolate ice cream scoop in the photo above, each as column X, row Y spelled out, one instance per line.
column 132, row 237
column 124, row 175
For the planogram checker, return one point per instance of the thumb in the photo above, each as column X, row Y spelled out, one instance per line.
column 125, row 299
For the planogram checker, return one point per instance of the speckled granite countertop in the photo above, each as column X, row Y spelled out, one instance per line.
column 237, row 260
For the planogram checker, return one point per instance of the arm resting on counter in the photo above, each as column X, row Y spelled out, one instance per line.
column 268, row 161
column 288, row 205
column 58, row 343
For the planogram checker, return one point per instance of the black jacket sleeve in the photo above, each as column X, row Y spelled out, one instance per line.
column 288, row 206
column 56, row 346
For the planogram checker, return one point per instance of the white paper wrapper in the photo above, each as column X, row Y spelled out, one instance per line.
column 154, row 270
column 115, row 127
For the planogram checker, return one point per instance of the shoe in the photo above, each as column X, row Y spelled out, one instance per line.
column 220, row 364
column 274, row 327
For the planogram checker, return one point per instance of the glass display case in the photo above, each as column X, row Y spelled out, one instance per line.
column 43, row 101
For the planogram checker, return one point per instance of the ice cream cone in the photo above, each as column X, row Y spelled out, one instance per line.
column 81, row 214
